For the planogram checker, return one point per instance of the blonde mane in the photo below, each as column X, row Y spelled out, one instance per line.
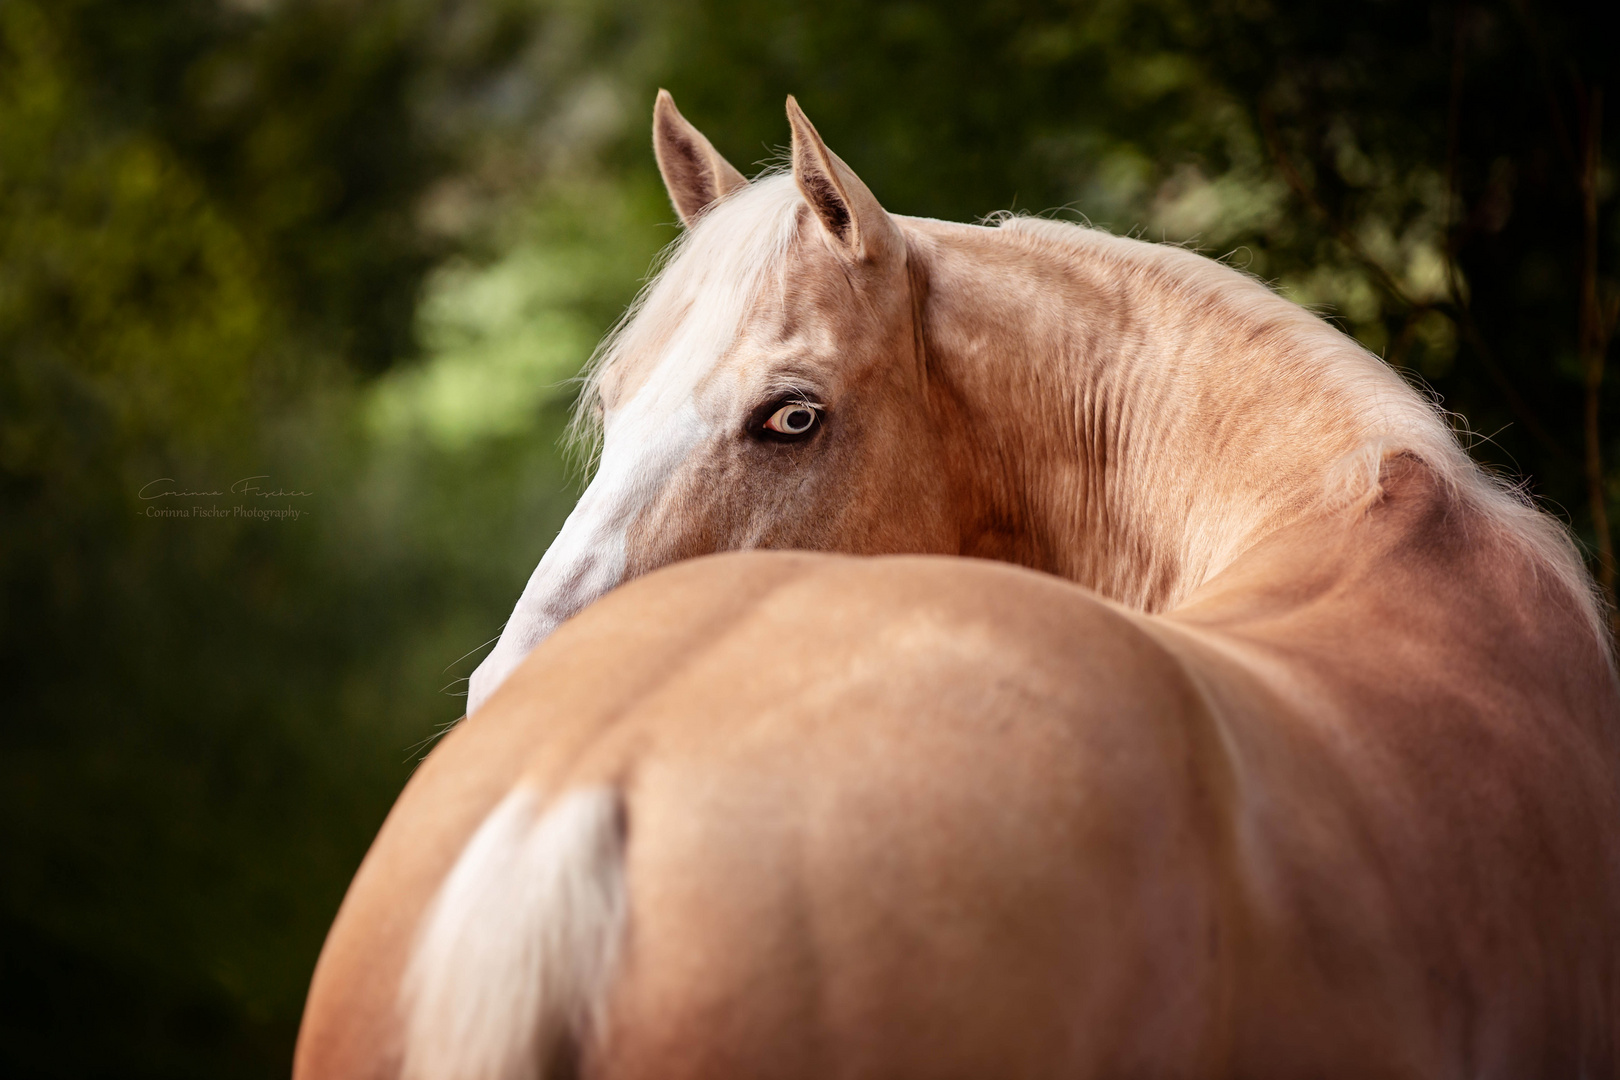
column 1393, row 417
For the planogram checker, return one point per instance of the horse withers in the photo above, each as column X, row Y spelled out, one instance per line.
column 1309, row 767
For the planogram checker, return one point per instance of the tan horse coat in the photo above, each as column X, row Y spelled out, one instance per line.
column 1309, row 768
column 919, row 817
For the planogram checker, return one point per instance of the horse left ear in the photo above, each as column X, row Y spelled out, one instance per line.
column 694, row 172
column 849, row 213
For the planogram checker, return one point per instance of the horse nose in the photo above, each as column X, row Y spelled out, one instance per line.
column 585, row 560
column 540, row 611
column 482, row 683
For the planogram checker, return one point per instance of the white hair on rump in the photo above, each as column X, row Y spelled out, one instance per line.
column 514, row 955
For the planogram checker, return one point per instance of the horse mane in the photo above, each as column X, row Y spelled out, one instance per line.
column 1397, row 418
column 705, row 282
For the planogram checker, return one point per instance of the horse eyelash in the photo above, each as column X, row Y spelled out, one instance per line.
column 794, row 395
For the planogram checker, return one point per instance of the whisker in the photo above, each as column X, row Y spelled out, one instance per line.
column 472, row 650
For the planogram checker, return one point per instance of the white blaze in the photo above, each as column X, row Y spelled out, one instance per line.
column 643, row 445
column 691, row 315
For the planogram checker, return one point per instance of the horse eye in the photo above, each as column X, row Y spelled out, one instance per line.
column 795, row 418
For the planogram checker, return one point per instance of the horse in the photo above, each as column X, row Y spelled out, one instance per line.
column 1261, row 733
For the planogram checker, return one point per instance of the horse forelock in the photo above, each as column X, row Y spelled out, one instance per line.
column 694, row 304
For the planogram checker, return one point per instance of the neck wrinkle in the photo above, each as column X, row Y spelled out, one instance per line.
column 1086, row 378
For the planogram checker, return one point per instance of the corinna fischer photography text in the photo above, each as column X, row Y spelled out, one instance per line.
column 163, row 500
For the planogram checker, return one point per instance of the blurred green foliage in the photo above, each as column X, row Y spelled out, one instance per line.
column 358, row 247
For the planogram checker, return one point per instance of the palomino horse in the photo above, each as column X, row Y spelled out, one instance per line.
column 1310, row 768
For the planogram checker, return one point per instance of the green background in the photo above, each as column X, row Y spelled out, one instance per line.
column 359, row 248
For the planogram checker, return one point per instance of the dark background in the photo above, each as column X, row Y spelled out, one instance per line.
column 359, row 247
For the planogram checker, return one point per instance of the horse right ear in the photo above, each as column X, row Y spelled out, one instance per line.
column 694, row 172
column 850, row 216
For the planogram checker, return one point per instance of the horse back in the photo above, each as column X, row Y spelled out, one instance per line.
column 877, row 811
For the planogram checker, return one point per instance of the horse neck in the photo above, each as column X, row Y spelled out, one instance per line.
column 1143, row 415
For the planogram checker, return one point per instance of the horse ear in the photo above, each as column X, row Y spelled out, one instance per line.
column 694, row 172
column 849, row 213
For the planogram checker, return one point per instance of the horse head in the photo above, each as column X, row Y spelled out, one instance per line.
column 768, row 390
